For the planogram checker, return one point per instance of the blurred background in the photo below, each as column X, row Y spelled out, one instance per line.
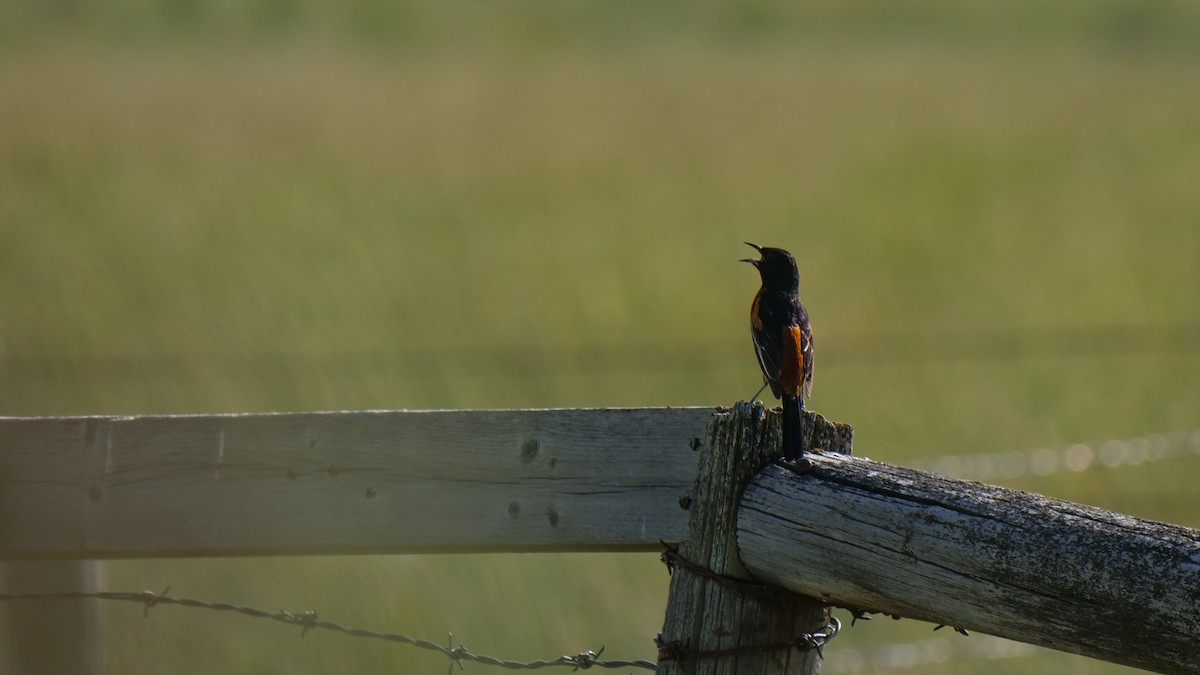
column 289, row 205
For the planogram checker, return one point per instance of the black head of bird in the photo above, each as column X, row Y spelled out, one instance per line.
column 777, row 268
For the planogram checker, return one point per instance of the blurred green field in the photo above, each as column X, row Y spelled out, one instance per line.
column 288, row 205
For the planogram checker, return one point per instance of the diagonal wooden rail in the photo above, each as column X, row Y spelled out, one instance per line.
column 874, row 536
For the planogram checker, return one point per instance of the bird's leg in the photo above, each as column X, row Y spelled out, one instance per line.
column 760, row 390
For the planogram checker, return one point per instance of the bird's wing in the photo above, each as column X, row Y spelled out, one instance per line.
column 806, row 347
column 768, row 344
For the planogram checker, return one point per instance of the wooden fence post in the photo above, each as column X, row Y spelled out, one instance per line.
column 56, row 636
column 714, row 624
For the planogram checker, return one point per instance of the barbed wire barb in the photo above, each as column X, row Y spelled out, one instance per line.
column 150, row 599
column 452, row 653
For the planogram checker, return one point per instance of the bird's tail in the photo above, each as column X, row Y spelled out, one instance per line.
column 793, row 420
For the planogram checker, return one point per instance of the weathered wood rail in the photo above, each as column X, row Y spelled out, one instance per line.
column 346, row 482
column 864, row 534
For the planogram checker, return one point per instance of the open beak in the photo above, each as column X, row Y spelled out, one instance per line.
column 752, row 261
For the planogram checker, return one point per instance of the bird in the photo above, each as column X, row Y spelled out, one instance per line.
column 783, row 340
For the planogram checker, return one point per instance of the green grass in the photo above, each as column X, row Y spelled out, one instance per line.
column 288, row 206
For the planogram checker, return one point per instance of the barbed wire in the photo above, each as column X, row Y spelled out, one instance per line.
column 458, row 653
column 308, row 620
column 675, row 561
column 810, row 641
column 1077, row 457
column 674, row 650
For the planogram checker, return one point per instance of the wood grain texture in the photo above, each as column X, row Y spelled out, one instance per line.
column 869, row 535
column 704, row 615
column 346, row 482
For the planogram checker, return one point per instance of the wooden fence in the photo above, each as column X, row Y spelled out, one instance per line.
column 849, row 532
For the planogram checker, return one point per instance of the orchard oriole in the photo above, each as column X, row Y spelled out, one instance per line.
column 782, row 339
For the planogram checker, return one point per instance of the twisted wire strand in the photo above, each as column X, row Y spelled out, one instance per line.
column 308, row 620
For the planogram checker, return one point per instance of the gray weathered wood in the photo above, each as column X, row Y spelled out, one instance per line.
column 873, row 536
column 346, row 482
column 704, row 615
